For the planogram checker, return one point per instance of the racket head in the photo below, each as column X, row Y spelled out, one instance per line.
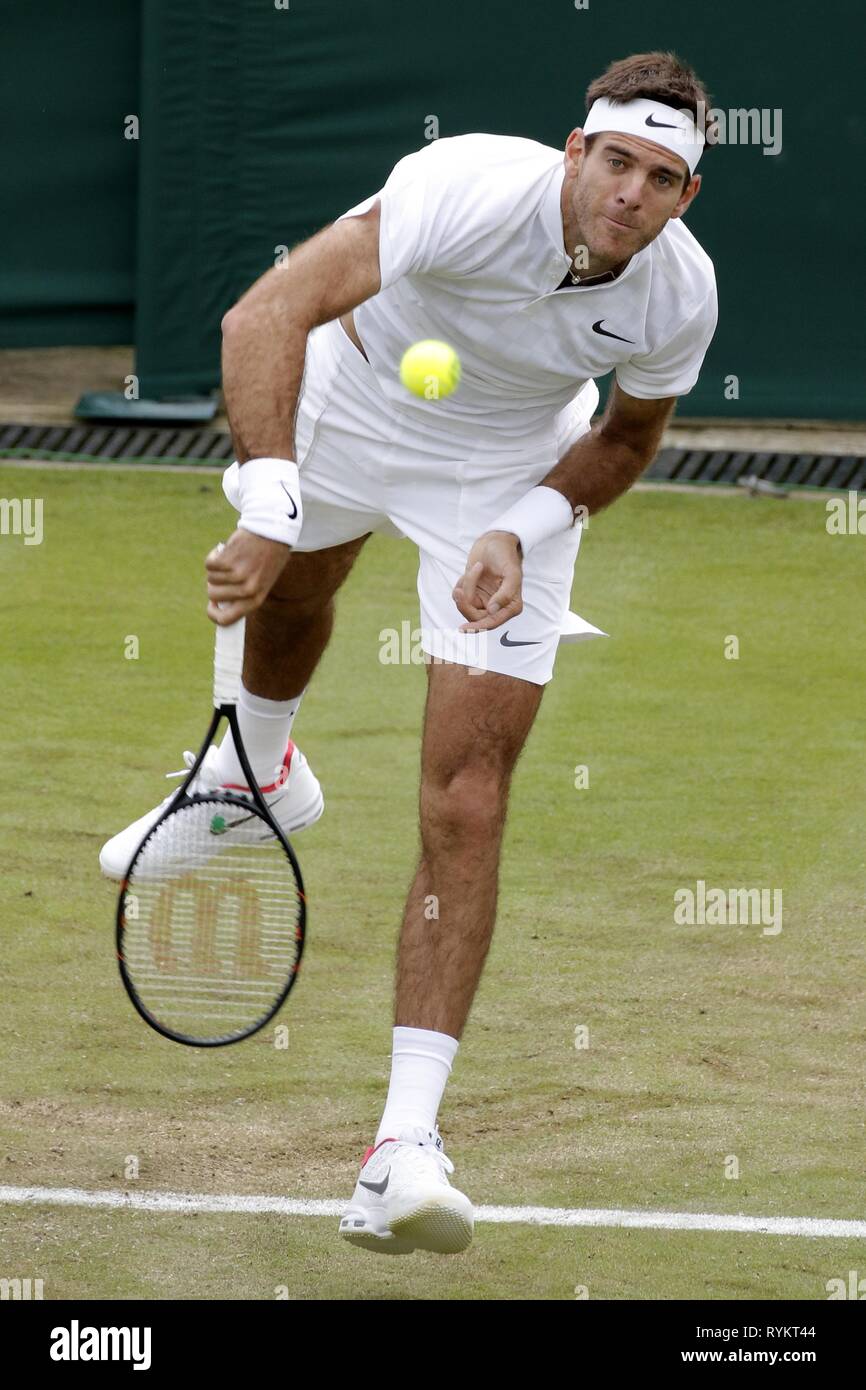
column 211, row 919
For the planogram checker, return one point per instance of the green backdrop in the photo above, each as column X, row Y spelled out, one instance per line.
column 260, row 124
column 68, row 177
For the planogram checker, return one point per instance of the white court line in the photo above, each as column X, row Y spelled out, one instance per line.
column 529, row 1216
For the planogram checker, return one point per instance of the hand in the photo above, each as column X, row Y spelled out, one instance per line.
column 241, row 574
column 489, row 592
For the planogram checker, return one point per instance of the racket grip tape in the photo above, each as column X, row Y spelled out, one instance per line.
column 228, row 659
column 228, row 663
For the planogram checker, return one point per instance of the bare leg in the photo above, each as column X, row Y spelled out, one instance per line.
column 474, row 729
column 286, row 636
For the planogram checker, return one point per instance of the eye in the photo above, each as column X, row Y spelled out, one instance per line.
column 663, row 178
column 614, row 160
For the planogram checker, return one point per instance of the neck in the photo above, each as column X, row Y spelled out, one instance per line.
column 595, row 265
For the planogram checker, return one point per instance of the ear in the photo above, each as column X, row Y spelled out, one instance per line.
column 688, row 195
column 574, row 146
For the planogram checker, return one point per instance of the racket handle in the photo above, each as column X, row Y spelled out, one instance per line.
column 228, row 659
column 228, row 662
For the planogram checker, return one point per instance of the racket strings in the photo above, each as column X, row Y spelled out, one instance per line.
column 212, row 920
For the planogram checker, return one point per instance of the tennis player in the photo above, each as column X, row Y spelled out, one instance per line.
column 543, row 271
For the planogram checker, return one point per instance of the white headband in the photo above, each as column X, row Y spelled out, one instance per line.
column 650, row 120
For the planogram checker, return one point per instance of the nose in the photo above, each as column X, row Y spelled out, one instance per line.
column 630, row 189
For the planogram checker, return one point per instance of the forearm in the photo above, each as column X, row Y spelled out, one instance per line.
column 262, row 369
column 597, row 469
column 265, row 334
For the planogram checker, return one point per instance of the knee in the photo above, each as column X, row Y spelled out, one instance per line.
column 468, row 802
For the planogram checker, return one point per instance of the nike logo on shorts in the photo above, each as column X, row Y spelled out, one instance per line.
column 504, row 642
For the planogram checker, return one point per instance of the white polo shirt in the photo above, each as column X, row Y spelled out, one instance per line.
column 471, row 252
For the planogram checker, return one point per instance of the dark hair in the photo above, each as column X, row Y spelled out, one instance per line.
column 657, row 76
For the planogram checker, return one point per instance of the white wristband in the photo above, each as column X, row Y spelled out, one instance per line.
column 267, row 494
column 539, row 514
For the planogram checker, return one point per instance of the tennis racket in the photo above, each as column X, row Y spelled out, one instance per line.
column 211, row 915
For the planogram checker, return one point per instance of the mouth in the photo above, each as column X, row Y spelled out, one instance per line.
column 626, row 226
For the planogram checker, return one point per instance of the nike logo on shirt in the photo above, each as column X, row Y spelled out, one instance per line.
column 597, row 328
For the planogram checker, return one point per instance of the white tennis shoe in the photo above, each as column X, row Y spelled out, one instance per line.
column 295, row 800
column 403, row 1200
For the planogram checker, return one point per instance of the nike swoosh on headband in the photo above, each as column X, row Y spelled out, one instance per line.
column 666, row 125
column 597, row 328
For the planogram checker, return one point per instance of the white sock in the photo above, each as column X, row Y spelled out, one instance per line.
column 265, row 726
column 420, row 1066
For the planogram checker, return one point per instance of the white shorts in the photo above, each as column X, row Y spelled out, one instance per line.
column 365, row 466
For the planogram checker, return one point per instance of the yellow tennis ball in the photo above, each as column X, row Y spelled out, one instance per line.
column 430, row 369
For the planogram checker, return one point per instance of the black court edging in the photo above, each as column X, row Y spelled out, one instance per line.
column 115, row 444
column 140, row 444
column 727, row 466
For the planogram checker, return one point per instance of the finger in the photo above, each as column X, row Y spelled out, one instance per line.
column 227, row 590
column 509, row 589
column 224, row 614
column 469, row 610
column 504, row 615
column 500, row 607
column 470, row 580
column 216, row 561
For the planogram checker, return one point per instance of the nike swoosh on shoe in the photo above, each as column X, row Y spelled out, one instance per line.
column 378, row 1187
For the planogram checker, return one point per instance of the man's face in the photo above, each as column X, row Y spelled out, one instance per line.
column 619, row 195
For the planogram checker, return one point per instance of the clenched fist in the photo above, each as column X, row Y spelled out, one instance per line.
column 241, row 574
